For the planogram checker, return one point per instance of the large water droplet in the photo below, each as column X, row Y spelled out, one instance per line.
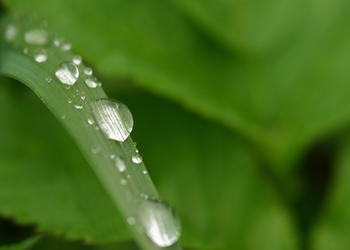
column 11, row 32
column 36, row 37
column 114, row 119
column 40, row 56
column 67, row 73
column 160, row 223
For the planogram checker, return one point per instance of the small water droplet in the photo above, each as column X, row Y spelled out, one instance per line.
column 40, row 56
column 123, row 181
column 131, row 220
column 144, row 196
column 137, row 159
column 90, row 121
column 95, row 149
column 57, row 42
column 83, row 97
column 77, row 60
column 63, row 117
column 78, row 106
column 66, row 47
column 36, row 37
column 49, row 79
column 144, row 172
column 160, row 223
column 70, row 101
column 112, row 156
column 25, row 51
column 91, row 82
column 114, row 119
column 88, row 71
column 119, row 162
column 67, row 73
column 11, row 32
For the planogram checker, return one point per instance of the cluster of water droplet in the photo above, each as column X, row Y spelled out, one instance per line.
column 114, row 119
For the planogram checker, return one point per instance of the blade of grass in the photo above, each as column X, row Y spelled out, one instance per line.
column 72, row 106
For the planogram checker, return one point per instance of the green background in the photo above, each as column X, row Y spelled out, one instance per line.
column 241, row 112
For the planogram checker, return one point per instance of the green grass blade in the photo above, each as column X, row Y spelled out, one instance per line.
column 72, row 106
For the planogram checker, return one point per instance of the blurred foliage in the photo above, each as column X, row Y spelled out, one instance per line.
column 248, row 141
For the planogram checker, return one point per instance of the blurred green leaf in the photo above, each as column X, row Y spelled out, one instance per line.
column 333, row 228
column 51, row 243
column 23, row 245
column 251, row 25
column 43, row 177
column 281, row 98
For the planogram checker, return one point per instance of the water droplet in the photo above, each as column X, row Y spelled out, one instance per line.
column 137, row 159
column 67, row 73
column 88, row 71
column 114, row 119
column 40, row 56
column 57, row 42
column 160, row 222
column 77, row 60
column 36, row 37
column 70, row 101
column 119, row 162
column 66, row 47
column 11, row 32
column 49, row 79
column 25, row 51
column 123, row 181
column 95, row 149
column 91, row 82
column 83, row 97
column 90, row 121
column 144, row 172
column 78, row 106
column 63, row 117
column 131, row 220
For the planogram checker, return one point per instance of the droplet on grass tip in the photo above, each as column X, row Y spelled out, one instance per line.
column 114, row 119
column 67, row 73
column 160, row 223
